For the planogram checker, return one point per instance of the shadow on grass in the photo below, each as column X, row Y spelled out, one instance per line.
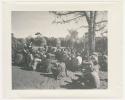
column 47, row 75
column 27, row 69
column 75, row 85
column 80, row 83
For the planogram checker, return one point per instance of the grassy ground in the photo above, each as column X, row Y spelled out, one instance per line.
column 25, row 79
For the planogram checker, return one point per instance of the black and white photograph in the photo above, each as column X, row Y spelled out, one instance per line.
column 59, row 49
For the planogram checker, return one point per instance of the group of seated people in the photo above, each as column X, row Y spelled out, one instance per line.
column 56, row 61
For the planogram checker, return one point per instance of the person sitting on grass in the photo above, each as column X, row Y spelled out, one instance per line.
column 62, row 69
column 59, row 69
column 93, row 71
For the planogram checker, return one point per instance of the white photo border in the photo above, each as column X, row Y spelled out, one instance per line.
column 114, row 48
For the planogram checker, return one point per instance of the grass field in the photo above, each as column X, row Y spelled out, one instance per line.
column 25, row 79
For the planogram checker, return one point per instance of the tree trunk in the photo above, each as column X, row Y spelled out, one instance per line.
column 91, row 17
column 91, row 40
column 91, row 31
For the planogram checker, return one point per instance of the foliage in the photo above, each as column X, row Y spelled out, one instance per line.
column 79, row 43
column 39, row 41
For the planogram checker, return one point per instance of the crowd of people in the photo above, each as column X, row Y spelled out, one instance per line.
column 57, row 60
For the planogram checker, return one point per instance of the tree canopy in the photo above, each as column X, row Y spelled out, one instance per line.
column 96, row 22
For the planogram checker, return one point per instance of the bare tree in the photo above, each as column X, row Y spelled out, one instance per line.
column 73, row 36
column 93, row 24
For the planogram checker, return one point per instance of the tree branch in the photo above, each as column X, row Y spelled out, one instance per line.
column 104, row 32
column 66, row 13
column 100, row 28
column 83, row 26
column 103, row 21
column 66, row 21
column 87, row 17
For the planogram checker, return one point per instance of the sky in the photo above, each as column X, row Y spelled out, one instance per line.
column 27, row 23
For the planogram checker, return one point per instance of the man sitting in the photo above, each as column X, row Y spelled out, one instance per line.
column 59, row 69
column 92, row 71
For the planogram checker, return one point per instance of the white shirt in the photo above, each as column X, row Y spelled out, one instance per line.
column 79, row 59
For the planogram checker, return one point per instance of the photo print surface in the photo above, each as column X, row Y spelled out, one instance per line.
column 59, row 49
